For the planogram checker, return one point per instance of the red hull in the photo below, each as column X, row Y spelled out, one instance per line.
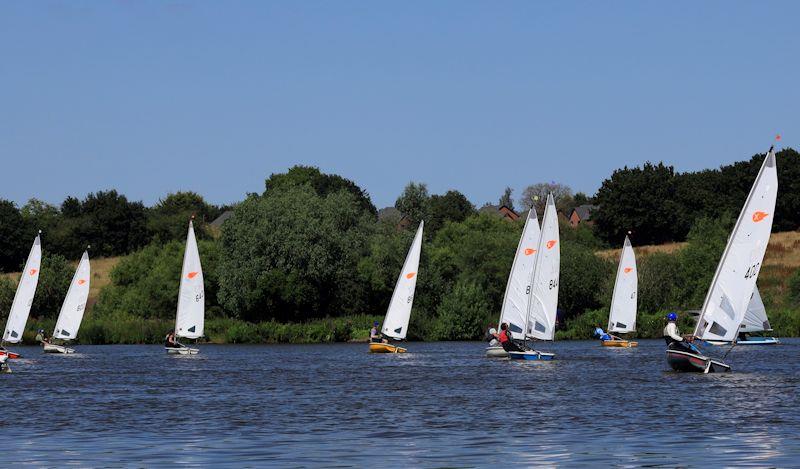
column 11, row 355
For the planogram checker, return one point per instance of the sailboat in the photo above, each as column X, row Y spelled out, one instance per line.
column 395, row 324
column 190, row 319
column 71, row 315
column 515, row 301
column 540, row 320
column 755, row 321
column 622, row 318
column 23, row 299
column 735, row 279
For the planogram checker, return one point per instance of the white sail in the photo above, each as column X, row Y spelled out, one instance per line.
column 395, row 325
column 190, row 320
column 623, row 302
column 71, row 315
column 542, row 304
column 735, row 279
column 755, row 318
column 23, row 299
column 518, row 288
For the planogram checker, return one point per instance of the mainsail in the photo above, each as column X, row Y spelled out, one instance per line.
column 395, row 325
column 623, row 302
column 71, row 315
column 190, row 320
column 518, row 288
column 755, row 319
column 542, row 303
column 23, row 299
column 735, row 279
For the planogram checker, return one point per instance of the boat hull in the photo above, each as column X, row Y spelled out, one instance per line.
column 9, row 354
column 53, row 348
column 531, row 355
column 181, row 351
column 4, row 368
column 684, row 361
column 619, row 343
column 751, row 341
column 496, row 352
column 385, row 348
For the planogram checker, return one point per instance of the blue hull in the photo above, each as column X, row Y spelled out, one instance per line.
column 533, row 355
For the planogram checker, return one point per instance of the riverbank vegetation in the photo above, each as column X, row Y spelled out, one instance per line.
column 310, row 259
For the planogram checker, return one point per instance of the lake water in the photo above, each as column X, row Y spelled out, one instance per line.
column 443, row 404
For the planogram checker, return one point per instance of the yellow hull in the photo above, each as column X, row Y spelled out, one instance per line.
column 619, row 343
column 385, row 348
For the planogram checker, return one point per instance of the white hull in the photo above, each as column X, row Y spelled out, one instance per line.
column 496, row 352
column 182, row 350
column 53, row 348
column 752, row 341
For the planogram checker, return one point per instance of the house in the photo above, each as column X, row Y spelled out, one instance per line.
column 217, row 223
column 582, row 214
column 501, row 211
column 391, row 213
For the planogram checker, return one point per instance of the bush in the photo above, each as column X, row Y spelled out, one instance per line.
column 462, row 314
column 54, row 279
column 794, row 287
column 659, row 280
column 584, row 280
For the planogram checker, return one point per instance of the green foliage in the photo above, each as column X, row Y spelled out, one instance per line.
column 54, row 279
column 414, row 203
column 659, row 282
column 584, row 280
column 145, row 284
column 292, row 255
column 453, row 206
column 12, row 238
column 7, row 289
column 169, row 218
column 699, row 259
column 506, row 199
column 322, row 184
column 462, row 314
column 794, row 288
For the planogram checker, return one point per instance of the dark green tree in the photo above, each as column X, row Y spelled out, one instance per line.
column 54, row 280
column 169, row 218
column 452, row 206
column 12, row 237
column 322, row 184
column 414, row 203
column 506, row 199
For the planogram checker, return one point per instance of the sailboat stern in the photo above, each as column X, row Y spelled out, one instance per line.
column 378, row 347
column 684, row 361
column 532, row 355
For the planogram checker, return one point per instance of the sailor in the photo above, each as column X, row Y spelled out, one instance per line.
column 3, row 365
column 673, row 337
column 602, row 335
column 170, row 340
column 375, row 335
column 40, row 336
column 507, row 339
column 493, row 337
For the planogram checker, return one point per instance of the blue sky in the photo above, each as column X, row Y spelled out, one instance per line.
column 153, row 97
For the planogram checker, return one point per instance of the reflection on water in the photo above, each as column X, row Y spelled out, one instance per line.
column 441, row 404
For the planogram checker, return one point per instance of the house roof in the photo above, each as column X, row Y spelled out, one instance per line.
column 217, row 223
column 499, row 210
column 585, row 211
column 388, row 212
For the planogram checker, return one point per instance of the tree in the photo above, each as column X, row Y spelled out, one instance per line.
column 12, row 237
column 292, row 254
column 641, row 200
column 169, row 218
column 583, row 280
column 322, row 184
column 506, row 199
column 110, row 223
column 536, row 195
column 54, row 280
column 414, row 203
column 463, row 313
column 453, row 206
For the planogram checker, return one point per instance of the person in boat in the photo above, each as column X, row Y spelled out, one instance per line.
column 41, row 337
column 493, row 337
column 3, row 365
column 375, row 335
column 506, row 339
column 674, row 339
column 599, row 333
column 170, row 341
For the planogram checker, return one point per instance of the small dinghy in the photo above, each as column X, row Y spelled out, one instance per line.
column 540, row 317
column 23, row 299
column 734, row 281
column 190, row 318
column 71, row 315
column 755, row 321
column 515, row 301
column 622, row 318
column 395, row 324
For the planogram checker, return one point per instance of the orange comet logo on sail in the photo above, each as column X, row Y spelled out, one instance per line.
column 33, row 271
column 628, row 270
column 410, row 275
column 529, row 251
column 191, row 275
column 758, row 216
column 551, row 243
column 81, row 281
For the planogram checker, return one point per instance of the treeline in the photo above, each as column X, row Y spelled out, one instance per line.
column 106, row 220
column 660, row 205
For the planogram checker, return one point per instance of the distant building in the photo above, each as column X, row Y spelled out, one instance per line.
column 217, row 223
column 500, row 211
column 582, row 214
column 391, row 213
